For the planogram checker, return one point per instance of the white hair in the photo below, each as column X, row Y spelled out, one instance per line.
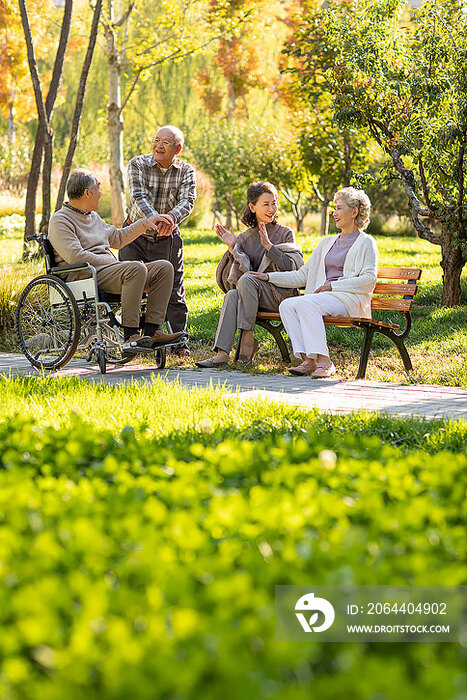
column 178, row 134
column 356, row 199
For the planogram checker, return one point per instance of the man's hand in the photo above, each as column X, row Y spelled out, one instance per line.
column 260, row 275
column 324, row 288
column 227, row 237
column 162, row 223
column 263, row 234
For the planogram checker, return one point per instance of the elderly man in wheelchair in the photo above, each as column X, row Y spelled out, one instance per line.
column 75, row 304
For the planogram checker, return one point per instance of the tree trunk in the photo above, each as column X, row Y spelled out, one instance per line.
column 115, row 122
column 79, row 104
column 299, row 218
column 31, row 192
column 117, row 185
column 44, row 126
column 46, row 180
column 452, row 263
column 347, row 159
column 324, row 225
column 11, row 123
column 228, row 220
column 46, row 111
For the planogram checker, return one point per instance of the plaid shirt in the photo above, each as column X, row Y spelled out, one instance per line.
column 155, row 192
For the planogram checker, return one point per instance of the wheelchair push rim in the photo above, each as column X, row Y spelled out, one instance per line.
column 47, row 323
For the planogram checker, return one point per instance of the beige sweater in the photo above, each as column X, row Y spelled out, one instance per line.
column 86, row 238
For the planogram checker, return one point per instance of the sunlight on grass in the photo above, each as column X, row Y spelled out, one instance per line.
column 153, row 410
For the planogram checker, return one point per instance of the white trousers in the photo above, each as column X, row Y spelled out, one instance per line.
column 303, row 320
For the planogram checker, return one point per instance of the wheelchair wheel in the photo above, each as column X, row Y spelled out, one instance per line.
column 101, row 361
column 161, row 357
column 47, row 320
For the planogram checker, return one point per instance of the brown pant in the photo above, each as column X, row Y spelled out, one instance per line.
column 131, row 279
column 147, row 250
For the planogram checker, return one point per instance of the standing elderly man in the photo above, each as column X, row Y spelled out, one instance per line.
column 79, row 235
column 161, row 183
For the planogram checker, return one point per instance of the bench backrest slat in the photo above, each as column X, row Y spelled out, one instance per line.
column 407, row 289
column 392, row 304
column 399, row 273
column 402, row 289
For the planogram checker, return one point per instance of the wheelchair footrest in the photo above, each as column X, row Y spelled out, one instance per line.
column 173, row 343
column 137, row 350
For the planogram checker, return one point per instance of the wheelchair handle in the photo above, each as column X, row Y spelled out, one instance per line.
column 39, row 237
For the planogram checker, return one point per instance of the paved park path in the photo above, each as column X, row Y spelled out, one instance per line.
column 331, row 395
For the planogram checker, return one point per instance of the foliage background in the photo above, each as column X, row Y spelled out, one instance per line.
column 232, row 93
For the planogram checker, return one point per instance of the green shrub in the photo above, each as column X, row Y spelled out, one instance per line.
column 145, row 568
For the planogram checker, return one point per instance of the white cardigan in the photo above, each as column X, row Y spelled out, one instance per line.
column 353, row 289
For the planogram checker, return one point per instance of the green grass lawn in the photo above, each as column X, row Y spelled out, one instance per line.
column 143, row 529
column 437, row 343
column 142, row 532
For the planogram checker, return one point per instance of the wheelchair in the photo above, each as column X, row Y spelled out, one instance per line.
column 56, row 319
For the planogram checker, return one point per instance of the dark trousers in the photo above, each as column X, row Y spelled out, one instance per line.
column 146, row 250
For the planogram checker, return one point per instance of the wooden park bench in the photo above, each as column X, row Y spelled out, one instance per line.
column 394, row 295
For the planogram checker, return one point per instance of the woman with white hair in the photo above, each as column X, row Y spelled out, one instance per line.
column 339, row 279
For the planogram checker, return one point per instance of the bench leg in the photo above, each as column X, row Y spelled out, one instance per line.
column 399, row 343
column 369, row 333
column 275, row 331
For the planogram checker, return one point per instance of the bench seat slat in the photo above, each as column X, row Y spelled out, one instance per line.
column 350, row 321
column 347, row 321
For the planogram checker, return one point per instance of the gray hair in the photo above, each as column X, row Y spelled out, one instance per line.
column 356, row 199
column 80, row 181
column 179, row 138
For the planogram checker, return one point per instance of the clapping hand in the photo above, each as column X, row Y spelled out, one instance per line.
column 263, row 234
column 227, row 237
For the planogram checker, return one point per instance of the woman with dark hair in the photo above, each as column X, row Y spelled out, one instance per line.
column 264, row 246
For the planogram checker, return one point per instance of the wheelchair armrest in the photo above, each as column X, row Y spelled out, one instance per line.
column 71, row 268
